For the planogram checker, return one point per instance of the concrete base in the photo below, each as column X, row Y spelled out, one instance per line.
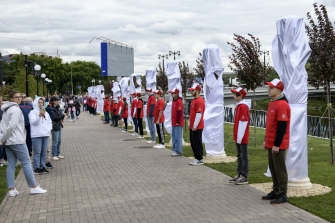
column 300, row 184
column 218, row 156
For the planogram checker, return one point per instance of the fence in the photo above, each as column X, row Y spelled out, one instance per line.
column 316, row 126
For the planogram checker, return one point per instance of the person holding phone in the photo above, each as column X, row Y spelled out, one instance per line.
column 41, row 125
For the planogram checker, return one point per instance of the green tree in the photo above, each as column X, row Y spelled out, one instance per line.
column 162, row 80
column 186, row 77
column 199, row 70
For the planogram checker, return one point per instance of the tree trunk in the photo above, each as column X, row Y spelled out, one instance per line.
column 254, row 105
column 330, row 123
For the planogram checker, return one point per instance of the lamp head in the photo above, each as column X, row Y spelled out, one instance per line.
column 43, row 75
column 37, row 67
column 26, row 50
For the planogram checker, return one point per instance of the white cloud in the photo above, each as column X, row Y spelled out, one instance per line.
column 203, row 26
column 130, row 28
column 169, row 27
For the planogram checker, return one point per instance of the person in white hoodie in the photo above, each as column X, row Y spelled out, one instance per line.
column 40, row 127
column 13, row 137
column 241, row 135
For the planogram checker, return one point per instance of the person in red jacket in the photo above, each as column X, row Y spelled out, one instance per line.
column 159, row 118
column 95, row 105
column 134, row 112
column 120, row 111
column 106, row 110
column 277, row 141
column 150, row 115
column 140, row 114
column 115, row 113
column 241, row 136
column 125, row 114
column 177, row 121
column 196, row 125
column 89, row 105
column 111, row 109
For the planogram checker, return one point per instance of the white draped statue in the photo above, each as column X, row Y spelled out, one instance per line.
column 116, row 90
column 212, row 134
column 100, row 94
column 290, row 52
column 173, row 75
column 89, row 91
column 150, row 79
column 135, row 83
column 125, row 91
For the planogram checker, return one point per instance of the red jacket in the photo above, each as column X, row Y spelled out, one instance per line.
column 177, row 112
column 125, row 110
column 106, row 106
column 241, row 115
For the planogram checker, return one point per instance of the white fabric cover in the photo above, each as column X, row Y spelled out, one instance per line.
column 125, row 92
column 133, row 88
column 116, row 90
column 290, row 52
column 173, row 75
column 212, row 134
column 151, row 82
column 100, row 94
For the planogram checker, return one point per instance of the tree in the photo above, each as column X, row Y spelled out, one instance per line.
column 245, row 62
column 162, row 80
column 322, row 60
column 199, row 70
column 186, row 77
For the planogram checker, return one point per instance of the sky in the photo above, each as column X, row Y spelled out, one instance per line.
column 150, row 27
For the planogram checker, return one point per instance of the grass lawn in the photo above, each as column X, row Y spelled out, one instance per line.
column 3, row 182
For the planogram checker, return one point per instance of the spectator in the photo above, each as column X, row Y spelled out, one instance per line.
column 125, row 114
column 26, row 107
column 41, row 125
column 159, row 119
column 71, row 108
column 177, row 121
column 2, row 148
column 13, row 137
column 106, row 110
column 77, row 106
column 56, row 132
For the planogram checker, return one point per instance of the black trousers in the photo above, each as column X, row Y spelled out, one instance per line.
column 196, row 143
column 28, row 139
column 277, row 166
column 160, row 132
column 125, row 120
column 140, row 125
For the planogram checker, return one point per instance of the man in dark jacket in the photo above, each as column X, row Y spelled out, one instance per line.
column 26, row 107
column 78, row 106
column 56, row 132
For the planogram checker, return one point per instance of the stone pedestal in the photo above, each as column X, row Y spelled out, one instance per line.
column 222, row 155
column 300, row 184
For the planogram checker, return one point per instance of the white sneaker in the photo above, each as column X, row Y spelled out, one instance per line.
column 155, row 146
column 13, row 193
column 37, row 190
column 55, row 158
column 124, row 131
column 176, row 154
column 61, row 157
column 134, row 134
column 151, row 141
column 160, row 146
column 71, row 120
column 140, row 137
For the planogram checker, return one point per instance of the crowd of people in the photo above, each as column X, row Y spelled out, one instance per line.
column 26, row 129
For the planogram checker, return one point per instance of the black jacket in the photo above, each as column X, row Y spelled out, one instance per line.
column 57, row 119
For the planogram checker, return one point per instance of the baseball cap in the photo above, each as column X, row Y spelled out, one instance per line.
column 138, row 94
column 158, row 92
column 174, row 91
column 239, row 90
column 124, row 98
column 276, row 83
column 195, row 87
column 149, row 89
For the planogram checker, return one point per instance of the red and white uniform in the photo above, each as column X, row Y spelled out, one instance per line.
column 140, row 105
column 159, row 106
column 125, row 111
column 241, row 123
column 134, row 107
column 120, row 106
column 177, row 112
column 197, row 106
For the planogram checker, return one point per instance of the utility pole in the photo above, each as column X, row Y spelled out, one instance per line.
column 264, row 72
column 163, row 56
column 174, row 54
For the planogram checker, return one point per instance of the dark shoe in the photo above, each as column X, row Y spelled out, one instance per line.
column 241, row 181
column 233, row 180
column 49, row 166
column 270, row 196
column 37, row 171
column 30, row 153
column 111, row 124
column 43, row 170
column 280, row 199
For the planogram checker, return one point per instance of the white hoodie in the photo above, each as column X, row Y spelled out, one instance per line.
column 39, row 126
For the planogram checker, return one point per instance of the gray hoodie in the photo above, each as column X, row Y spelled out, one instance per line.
column 39, row 126
column 12, row 125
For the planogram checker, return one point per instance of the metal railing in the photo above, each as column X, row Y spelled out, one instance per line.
column 316, row 126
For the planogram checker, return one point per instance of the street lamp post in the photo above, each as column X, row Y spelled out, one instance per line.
column 1, row 59
column 264, row 53
column 48, row 82
column 174, row 54
column 37, row 68
column 43, row 76
column 26, row 51
column 163, row 56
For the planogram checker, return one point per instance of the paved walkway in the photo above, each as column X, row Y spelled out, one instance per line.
column 105, row 178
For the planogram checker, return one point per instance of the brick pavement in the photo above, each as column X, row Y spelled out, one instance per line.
column 106, row 179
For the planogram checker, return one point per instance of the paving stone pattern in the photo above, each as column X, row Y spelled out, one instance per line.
column 106, row 179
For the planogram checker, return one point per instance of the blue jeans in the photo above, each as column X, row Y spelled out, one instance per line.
column 151, row 126
column 40, row 151
column 72, row 114
column 77, row 112
column 177, row 141
column 56, row 141
column 242, row 159
column 106, row 117
column 135, row 124
column 116, row 120
column 14, row 153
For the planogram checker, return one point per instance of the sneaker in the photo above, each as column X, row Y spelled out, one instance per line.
column 55, row 158
column 233, row 180
column 196, row 162
column 71, row 120
column 151, row 141
column 242, row 180
column 280, row 199
column 155, row 146
column 160, row 146
column 124, row 130
column 3, row 162
column 13, row 193
column 77, row 117
column 270, row 196
column 61, row 157
column 111, row 124
column 37, row 190
column 37, row 171
column 134, row 134
column 43, row 170
column 140, row 137
column 49, row 166
column 176, row 154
